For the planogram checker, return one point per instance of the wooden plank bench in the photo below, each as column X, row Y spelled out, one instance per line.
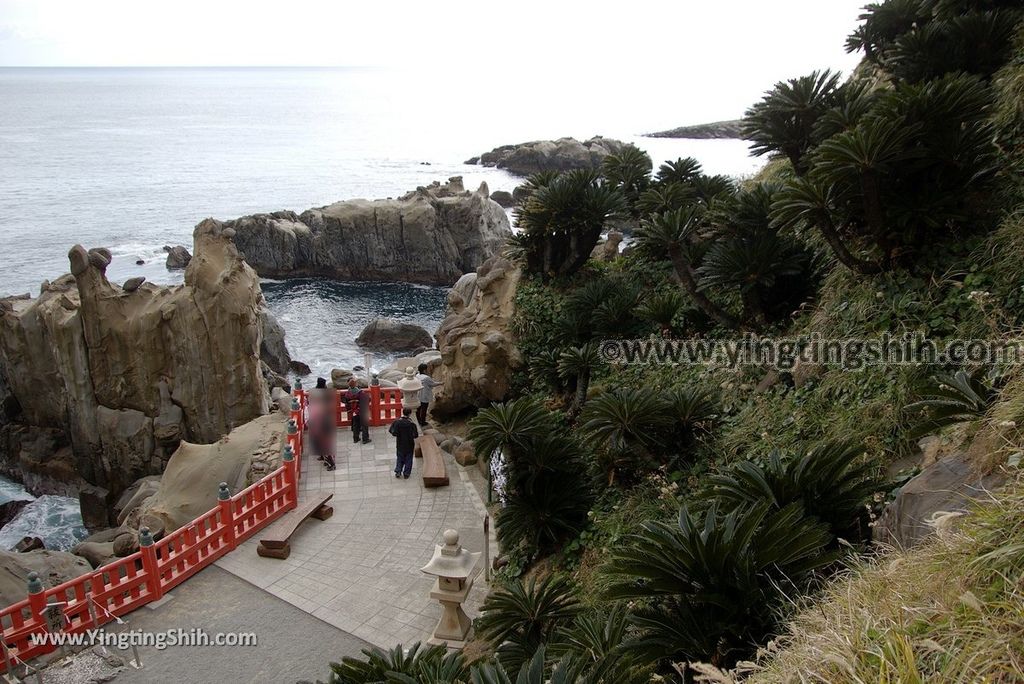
column 434, row 473
column 274, row 540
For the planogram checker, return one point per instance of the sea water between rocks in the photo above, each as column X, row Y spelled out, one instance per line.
column 132, row 159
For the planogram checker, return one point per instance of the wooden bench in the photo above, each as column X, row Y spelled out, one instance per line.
column 274, row 540
column 434, row 474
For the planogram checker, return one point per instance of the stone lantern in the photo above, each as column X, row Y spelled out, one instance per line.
column 455, row 569
column 410, row 386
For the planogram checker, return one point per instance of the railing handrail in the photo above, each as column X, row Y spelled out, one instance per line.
column 143, row 579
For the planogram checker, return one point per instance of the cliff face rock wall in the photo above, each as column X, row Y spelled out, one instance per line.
column 432, row 235
column 124, row 374
column 478, row 354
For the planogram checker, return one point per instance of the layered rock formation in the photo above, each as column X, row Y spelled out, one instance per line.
column 117, row 378
column 478, row 354
column 432, row 235
column 564, row 154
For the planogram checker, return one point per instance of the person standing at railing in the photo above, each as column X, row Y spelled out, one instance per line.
column 357, row 402
column 321, row 424
column 426, row 394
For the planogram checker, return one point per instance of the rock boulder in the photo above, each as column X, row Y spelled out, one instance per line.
column 178, row 257
column 504, row 198
column 273, row 350
column 564, row 154
column 53, row 568
column 948, row 485
column 387, row 334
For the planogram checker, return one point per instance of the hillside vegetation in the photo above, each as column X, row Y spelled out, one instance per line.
column 680, row 521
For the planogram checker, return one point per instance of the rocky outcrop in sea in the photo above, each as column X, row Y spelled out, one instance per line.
column 564, row 154
column 717, row 130
column 104, row 382
column 431, row 236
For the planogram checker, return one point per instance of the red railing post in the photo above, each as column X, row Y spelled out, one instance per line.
column 36, row 598
column 294, row 441
column 227, row 514
column 376, row 418
column 149, row 566
column 291, row 481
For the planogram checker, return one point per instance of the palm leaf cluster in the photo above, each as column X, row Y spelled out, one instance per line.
column 950, row 398
column 880, row 170
column 636, row 431
column 546, row 497
column 544, row 617
column 431, row 665
column 832, row 482
column 917, row 40
column 523, row 616
column 732, row 248
column 709, row 588
column 561, row 219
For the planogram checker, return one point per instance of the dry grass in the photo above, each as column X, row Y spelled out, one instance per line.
column 952, row 611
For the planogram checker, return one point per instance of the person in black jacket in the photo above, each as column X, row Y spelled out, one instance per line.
column 405, row 433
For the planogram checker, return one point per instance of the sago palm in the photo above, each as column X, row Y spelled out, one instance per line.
column 711, row 588
column 683, row 170
column 950, row 398
column 512, row 425
column 629, row 170
column 674, row 234
column 523, row 616
column 578, row 363
column 560, row 222
column 832, row 481
column 600, row 643
column 784, row 120
column 532, row 671
column 430, row 665
column 661, row 308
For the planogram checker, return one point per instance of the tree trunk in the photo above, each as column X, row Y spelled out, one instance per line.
column 875, row 216
column 845, row 256
column 684, row 272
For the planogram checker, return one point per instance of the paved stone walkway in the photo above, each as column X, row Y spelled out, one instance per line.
column 360, row 569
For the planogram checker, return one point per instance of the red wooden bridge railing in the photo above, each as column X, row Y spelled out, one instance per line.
column 127, row 583
column 385, row 404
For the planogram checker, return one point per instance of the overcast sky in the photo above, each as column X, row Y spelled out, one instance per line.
column 739, row 46
column 338, row 32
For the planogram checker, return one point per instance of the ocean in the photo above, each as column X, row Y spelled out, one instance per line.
column 131, row 159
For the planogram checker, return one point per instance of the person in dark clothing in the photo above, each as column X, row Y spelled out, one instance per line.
column 357, row 402
column 426, row 394
column 320, row 423
column 405, row 433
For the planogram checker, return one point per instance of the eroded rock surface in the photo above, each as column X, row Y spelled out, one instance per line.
column 53, row 568
column 121, row 377
column 432, row 235
column 478, row 354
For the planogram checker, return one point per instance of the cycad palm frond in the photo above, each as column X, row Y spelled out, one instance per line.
column 513, row 424
column 950, row 398
column 783, row 121
column 528, row 612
